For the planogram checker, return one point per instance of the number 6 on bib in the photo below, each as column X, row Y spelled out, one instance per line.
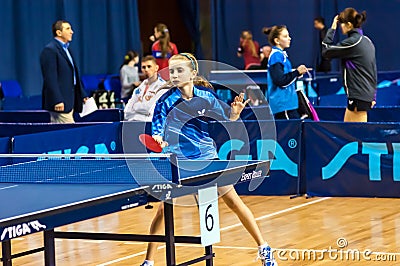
column 209, row 216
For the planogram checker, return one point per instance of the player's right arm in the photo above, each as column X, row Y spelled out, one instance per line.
column 282, row 79
column 159, row 140
column 158, row 121
column 342, row 49
column 277, row 72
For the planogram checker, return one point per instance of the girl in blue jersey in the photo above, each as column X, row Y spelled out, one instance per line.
column 282, row 94
column 180, row 124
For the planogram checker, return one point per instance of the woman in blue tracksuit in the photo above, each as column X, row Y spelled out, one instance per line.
column 281, row 93
column 357, row 54
column 180, row 124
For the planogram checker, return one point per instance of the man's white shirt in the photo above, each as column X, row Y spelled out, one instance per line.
column 140, row 106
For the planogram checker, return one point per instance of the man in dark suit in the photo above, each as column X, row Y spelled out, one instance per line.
column 63, row 92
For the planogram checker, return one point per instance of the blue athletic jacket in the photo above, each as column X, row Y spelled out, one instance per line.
column 184, row 123
column 281, row 82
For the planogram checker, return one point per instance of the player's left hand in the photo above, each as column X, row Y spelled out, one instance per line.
column 238, row 105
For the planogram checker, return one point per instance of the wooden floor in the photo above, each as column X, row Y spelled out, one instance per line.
column 291, row 226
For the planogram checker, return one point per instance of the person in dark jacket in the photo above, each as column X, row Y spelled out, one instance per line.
column 323, row 64
column 63, row 92
column 357, row 54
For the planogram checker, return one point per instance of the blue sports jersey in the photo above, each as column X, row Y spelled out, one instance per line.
column 281, row 98
column 184, row 123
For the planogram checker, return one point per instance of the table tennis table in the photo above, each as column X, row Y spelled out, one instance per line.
column 239, row 77
column 44, row 192
column 226, row 81
column 245, row 77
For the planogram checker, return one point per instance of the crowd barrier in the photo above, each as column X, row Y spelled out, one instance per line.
column 323, row 89
column 4, row 149
column 21, row 103
column 4, row 145
column 352, row 159
column 102, row 115
column 325, row 113
column 25, row 116
column 376, row 114
column 314, row 158
column 329, row 88
column 386, row 96
column 332, row 82
column 101, row 139
column 15, row 129
column 258, row 140
column 42, row 116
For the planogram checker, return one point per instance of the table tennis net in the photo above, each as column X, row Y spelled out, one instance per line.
column 142, row 171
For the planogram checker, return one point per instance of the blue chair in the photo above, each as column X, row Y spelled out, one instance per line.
column 91, row 82
column 22, row 103
column 11, row 88
column 113, row 83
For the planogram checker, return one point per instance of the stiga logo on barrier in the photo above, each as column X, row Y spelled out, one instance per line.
column 22, row 229
column 160, row 187
column 100, row 148
column 264, row 147
column 373, row 150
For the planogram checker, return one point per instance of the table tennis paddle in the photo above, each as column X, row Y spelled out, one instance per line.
column 150, row 143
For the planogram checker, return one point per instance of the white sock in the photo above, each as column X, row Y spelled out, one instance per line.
column 263, row 246
column 148, row 263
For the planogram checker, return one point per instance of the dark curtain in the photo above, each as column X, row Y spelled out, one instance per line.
column 103, row 31
column 190, row 13
column 230, row 18
column 382, row 27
